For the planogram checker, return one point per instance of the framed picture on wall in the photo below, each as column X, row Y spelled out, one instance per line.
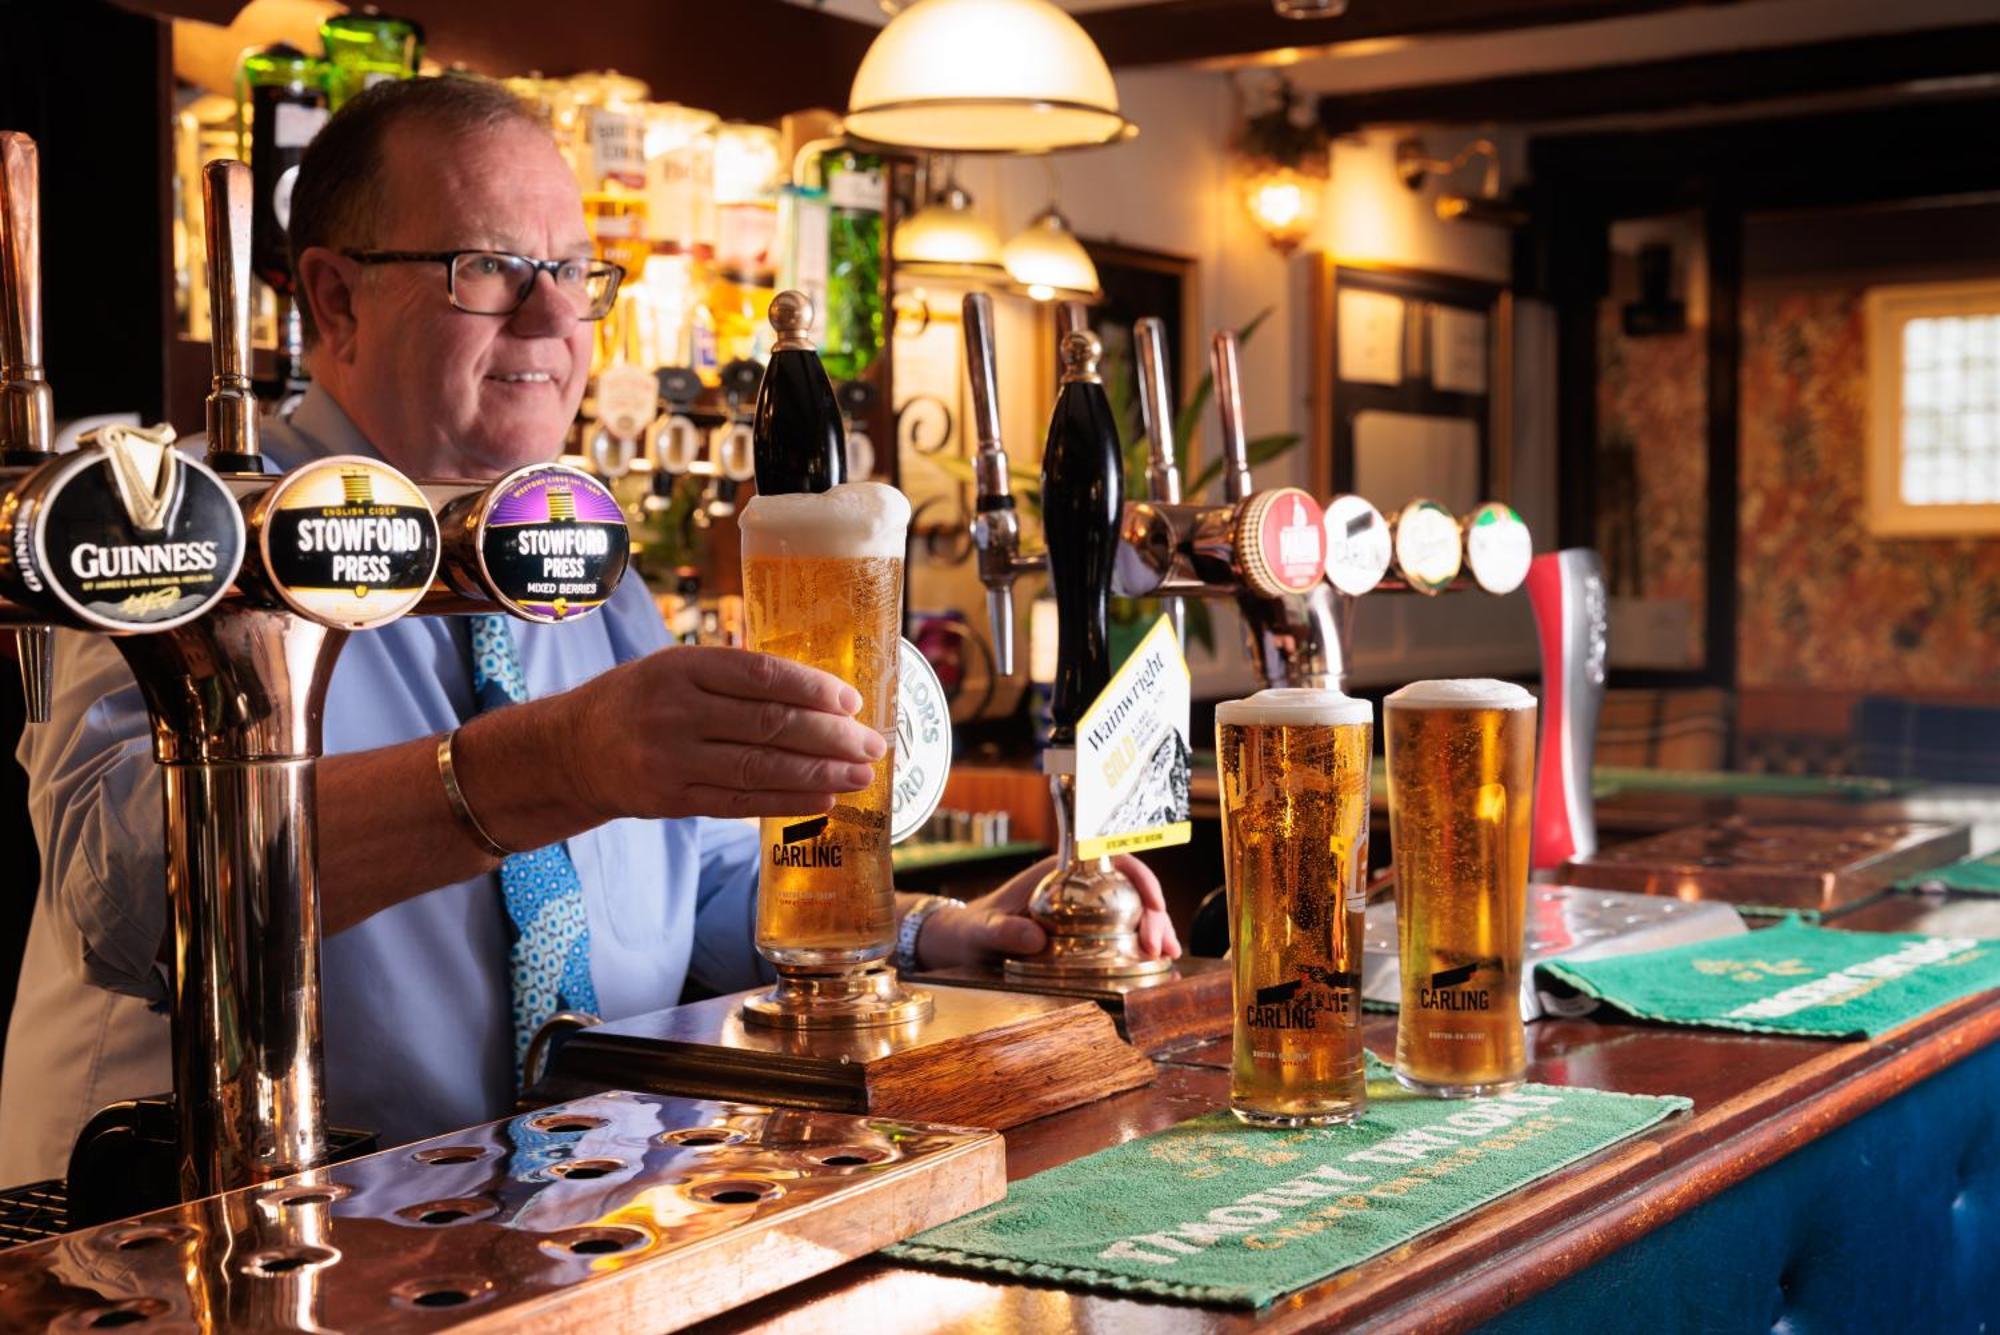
column 1410, row 386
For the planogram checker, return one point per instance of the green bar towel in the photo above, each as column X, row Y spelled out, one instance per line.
column 1791, row 979
column 1978, row 875
column 1213, row 1211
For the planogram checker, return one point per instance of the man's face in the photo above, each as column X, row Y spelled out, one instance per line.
column 440, row 391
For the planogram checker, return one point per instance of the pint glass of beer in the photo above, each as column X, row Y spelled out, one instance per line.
column 1461, row 797
column 823, row 586
column 1294, row 766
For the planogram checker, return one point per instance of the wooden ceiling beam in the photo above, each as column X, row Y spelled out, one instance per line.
column 746, row 60
column 1182, row 30
column 1718, row 79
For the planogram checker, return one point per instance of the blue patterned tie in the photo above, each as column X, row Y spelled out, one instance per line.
column 550, row 960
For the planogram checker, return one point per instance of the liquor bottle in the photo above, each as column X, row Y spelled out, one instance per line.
column 854, row 188
column 280, row 105
column 365, row 46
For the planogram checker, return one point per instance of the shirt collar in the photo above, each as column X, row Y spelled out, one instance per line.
column 318, row 428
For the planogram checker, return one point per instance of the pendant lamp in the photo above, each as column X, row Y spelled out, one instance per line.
column 945, row 239
column 985, row 76
column 1047, row 262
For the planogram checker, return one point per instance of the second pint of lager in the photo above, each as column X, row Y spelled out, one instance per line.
column 1294, row 768
column 823, row 586
column 1461, row 796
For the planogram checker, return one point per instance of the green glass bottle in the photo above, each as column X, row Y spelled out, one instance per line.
column 854, row 188
column 365, row 46
column 280, row 105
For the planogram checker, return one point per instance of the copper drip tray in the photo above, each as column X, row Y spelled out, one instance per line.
column 617, row 1211
column 1774, row 864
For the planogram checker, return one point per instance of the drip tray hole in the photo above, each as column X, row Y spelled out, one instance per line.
column 583, row 1170
column 848, row 1156
column 699, row 1137
column 448, row 1154
column 442, row 1291
column 736, row 1191
column 436, row 1214
column 145, row 1236
column 288, row 1260
column 560, row 1123
column 587, row 1242
column 312, row 1193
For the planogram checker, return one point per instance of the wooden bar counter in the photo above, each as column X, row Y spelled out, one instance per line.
column 1756, row 1100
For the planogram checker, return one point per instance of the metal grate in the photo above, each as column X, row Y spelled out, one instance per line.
column 33, row 1212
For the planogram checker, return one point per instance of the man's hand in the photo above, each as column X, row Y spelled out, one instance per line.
column 997, row 924
column 702, row 731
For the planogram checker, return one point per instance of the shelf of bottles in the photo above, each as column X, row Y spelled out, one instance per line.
column 710, row 220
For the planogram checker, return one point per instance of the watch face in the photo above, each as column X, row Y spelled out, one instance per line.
column 146, row 540
column 348, row 542
column 923, row 743
column 1429, row 549
column 553, row 543
column 1498, row 547
column 1357, row 545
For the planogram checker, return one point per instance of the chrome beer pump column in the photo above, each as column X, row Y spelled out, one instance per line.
column 236, row 696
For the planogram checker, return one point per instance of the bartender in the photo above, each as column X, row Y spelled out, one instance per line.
column 569, row 819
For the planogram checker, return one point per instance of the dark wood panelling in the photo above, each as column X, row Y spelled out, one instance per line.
column 1725, row 78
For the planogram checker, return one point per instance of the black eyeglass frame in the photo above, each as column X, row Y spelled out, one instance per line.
column 449, row 259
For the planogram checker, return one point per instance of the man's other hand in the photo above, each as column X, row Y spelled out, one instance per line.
column 703, row 731
column 997, row 924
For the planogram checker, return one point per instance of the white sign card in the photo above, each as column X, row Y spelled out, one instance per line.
column 1371, row 337
column 1458, row 350
column 1132, row 754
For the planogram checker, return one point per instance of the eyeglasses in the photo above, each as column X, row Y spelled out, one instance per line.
column 493, row 282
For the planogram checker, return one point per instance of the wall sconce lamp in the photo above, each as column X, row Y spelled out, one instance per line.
column 1415, row 167
column 1284, row 161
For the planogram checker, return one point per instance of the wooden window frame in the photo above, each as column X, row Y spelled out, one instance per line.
column 1887, row 310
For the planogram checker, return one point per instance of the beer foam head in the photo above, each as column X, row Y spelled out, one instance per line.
column 854, row 519
column 1463, row 693
column 1294, row 706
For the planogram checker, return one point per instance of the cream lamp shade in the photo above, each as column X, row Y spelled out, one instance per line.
column 946, row 239
column 985, row 76
column 1046, row 261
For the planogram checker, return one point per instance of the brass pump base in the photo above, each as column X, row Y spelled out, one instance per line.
column 837, row 998
column 1091, row 915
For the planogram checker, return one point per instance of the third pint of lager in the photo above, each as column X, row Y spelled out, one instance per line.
column 823, row 586
column 1461, row 796
column 1294, row 767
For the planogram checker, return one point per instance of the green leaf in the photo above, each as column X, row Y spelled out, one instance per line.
column 1260, row 451
column 1200, row 623
column 1190, row 416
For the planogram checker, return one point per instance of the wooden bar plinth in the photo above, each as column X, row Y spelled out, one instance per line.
column 1188, row 1003
column 982, row 1058
column 1825, row 867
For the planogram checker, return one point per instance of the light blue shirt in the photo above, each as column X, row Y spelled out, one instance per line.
column 415, row 1000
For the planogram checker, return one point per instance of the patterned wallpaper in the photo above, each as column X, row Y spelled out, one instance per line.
column 1652, row 466
column 1823, row 603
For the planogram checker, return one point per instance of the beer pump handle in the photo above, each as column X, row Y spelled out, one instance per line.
column 1082, row 503
column 27, row 410
column 996, row 527
column 1156, row 410
column 232, row 404
column 800, row 444
column 1236, row 484
column 1566, row 589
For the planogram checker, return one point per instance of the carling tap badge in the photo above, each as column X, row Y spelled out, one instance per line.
column 1132, row 754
